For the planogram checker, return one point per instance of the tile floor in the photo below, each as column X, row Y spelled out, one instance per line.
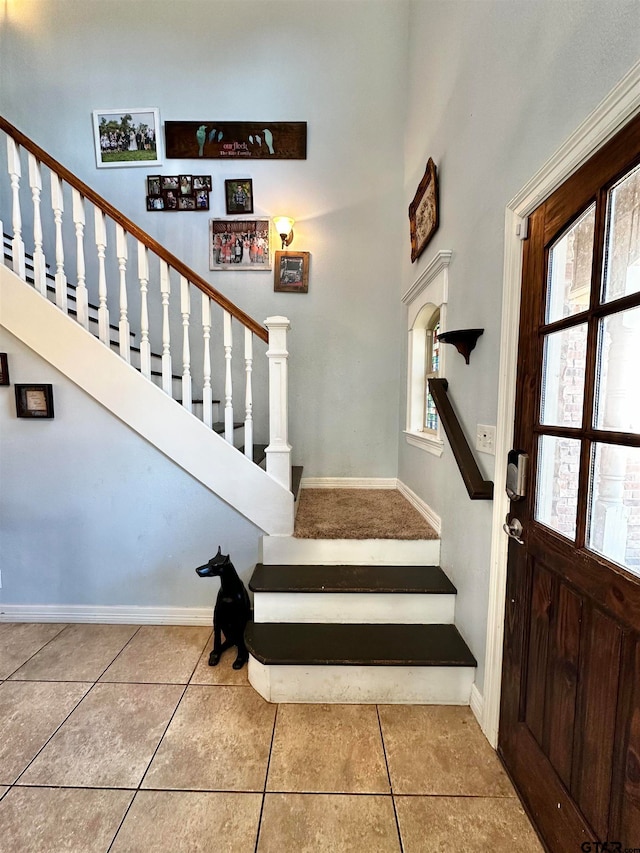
column 121, row 738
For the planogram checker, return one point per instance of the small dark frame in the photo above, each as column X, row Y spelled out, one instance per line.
column 154, row 184
column 170, row 182
column 155, row 202
column 423, row 212
column 239, row 195
column 4, row 369
column 186, row 185
column 202, row 199
column 170, row 199
column 186, row 203
column 202, row 182
column 34, row 401
column 291, row 272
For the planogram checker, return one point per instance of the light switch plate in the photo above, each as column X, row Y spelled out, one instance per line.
column 486, row 439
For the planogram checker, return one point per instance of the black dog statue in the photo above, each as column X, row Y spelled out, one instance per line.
column 232, row 610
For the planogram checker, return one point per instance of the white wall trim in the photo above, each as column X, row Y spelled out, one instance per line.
column 476, row 703
column 115, row 615
column 348, row 483
column 425, row 441
column 423, row 508
column 440, row 262
column 622, row 104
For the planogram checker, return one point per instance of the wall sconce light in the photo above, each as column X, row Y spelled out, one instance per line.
column 284, row 226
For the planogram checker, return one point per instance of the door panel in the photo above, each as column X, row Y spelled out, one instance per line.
column 570, row 716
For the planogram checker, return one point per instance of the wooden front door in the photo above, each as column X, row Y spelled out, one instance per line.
column 570, row 713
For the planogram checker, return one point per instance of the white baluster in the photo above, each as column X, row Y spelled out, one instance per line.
column 228, row 383
column 15, row 172
column 185, row 309
column 207, row 394
column 82, row 300
column 39, row 264
column 165, row 289
column 279, row 450
column 57, row 204
column 143, row 276
column 248, row 400
column 101, row 243
column 123, row 326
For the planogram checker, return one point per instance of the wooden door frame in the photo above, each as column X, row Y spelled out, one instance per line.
column 620, row 106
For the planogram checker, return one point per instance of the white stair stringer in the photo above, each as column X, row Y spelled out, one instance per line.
column 143, row 406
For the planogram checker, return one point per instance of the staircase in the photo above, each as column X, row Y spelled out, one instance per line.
column 353, row 633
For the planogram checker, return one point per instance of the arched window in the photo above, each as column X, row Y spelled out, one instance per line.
column 432, row 368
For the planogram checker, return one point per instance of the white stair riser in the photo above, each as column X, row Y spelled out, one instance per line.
column 385, row 685
column 354, row 608
column 278, row 550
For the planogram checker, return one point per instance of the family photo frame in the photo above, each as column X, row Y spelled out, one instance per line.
column 239, row 195
column 127, row 137
column 239, row 244
column 178, row 192
column 291, row 272
column 423, row 212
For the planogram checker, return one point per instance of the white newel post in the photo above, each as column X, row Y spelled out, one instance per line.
column 279, row 450
column 248, row 394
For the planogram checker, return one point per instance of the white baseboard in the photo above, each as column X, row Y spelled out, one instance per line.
column 423, row 508
column 116, row 615
column 476, row 702
column 348, row 483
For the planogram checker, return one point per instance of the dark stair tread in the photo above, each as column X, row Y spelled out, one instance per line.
column 296, row 479
column 304, row 644
column 258, row 452
column 390, row 579
column 219, row 426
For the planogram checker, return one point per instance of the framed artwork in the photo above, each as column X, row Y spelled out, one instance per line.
column 239, row 195
column 4, row 369
column 239, row 244
column 127, row 137
column 423, row 212
column 250, row 140
column 291, row 272
column 178, row 192
column 34, row 401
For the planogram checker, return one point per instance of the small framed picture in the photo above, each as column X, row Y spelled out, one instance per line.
column 154, row 184
column 423, row 212
column 202, row 182
column 127, row 137
column 239, row 195
column 186, row 185
column 170, row 182
column 186, row 203
column 155, row 202
column 202, row 199
column 34, row 401
column 291, row 272
column 170, row 199
column 4, row 369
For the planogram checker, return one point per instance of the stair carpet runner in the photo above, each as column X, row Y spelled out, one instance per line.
column 311, row 639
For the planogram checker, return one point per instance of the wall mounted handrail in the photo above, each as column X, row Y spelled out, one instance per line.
column 477, row 487
column 133, row 229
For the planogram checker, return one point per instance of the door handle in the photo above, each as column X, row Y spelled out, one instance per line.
column 514, row 530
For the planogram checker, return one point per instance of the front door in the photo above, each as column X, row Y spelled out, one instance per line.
column 570, row 713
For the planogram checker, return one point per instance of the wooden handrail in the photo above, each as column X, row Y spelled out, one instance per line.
column 131, row 228
column 478, row 488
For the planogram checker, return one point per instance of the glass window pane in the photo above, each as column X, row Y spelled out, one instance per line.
column 617, row 383
column 569, row 276
column 563, row 377
column 614, row 512
column 432, row 361
column 557, row 484
column 622, row 247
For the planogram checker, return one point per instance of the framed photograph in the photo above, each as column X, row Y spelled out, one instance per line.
column 423, row 212
column 202, row 182
column 239, row 244
column 4, row 369
column 186, row 185
column 170, row 199
column 239, row 195
column 34, row 401
column 249, row 140
column 291, row 272
column 170, row 182
column 127, row 137
column 154, row 184
column 155, row 202
column 202, row 200
column 186, row 202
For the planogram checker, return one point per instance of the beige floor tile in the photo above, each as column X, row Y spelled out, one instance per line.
column 3, row 791
column 180, row 822
column 29, row 714
column 109, row 739
column 332, row 748
column 51, row 820
column 440, row 750
column 161, row 654
column 79, row 653
column 472, row 824
column 20, row 640
column 218, row 740
column 328, row 823
column 223, row 673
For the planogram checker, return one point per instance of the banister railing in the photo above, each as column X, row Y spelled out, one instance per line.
column 148, row 325
column 477, row 487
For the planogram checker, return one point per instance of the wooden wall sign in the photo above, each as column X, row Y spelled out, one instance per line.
column 250, row 140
